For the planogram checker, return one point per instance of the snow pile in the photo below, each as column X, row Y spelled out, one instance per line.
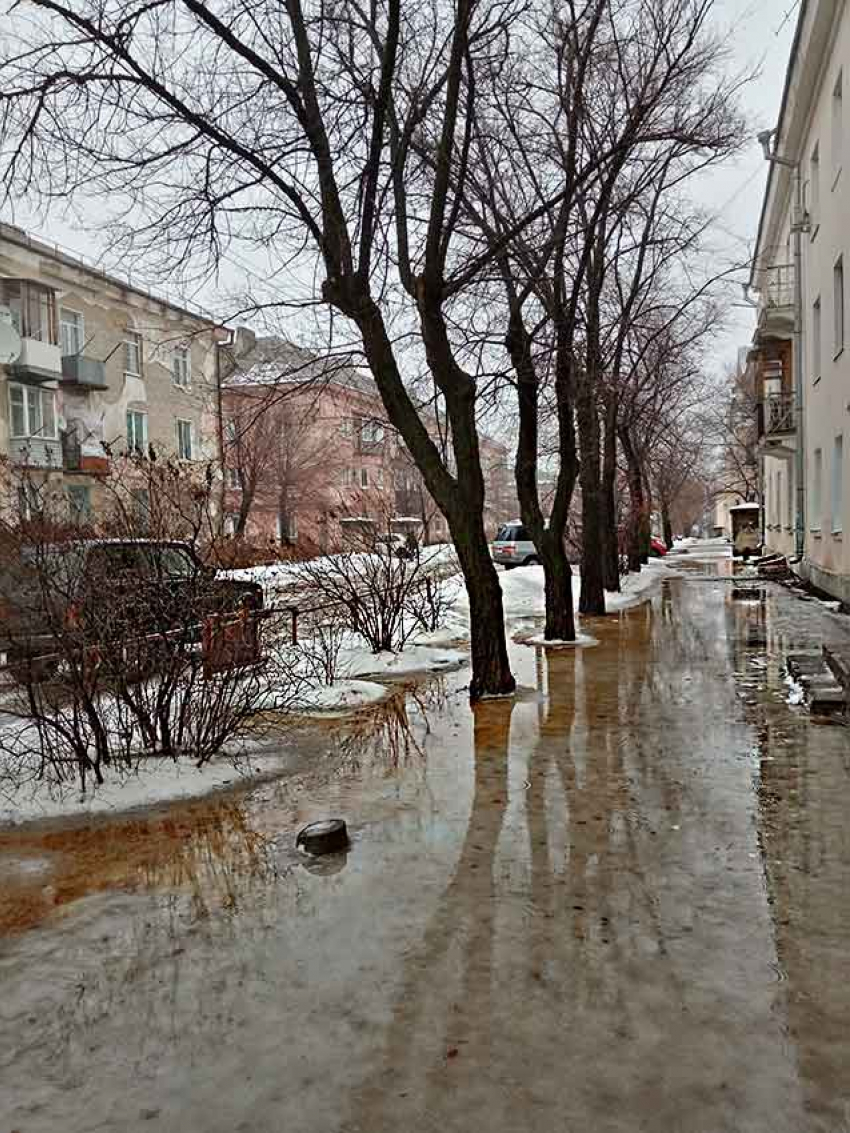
column 282, row 580
column 582, row 639
column 156, row 780
column 415, row 658
column 342, row 695
column 796, row 692
column 523, row 597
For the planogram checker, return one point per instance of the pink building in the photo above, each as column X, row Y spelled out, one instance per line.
column 310, row 458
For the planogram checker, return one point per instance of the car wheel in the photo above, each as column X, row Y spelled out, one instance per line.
column 532, row 560
column 327, row 837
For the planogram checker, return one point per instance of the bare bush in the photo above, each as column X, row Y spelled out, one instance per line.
column 379, row 585
column 120, row 642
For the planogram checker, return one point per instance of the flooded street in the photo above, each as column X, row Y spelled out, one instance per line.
column 615, row 902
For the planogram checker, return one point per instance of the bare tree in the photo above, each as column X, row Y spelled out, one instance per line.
column 293, row 128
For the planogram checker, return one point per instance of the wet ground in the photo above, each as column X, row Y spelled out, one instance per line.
column 617, row 902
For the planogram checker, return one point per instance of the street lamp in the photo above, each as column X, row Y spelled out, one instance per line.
column 799, row 225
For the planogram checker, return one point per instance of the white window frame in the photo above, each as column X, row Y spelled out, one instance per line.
column 837, row 126
column 78, row 323
column 133, row 342
column 181, row 366
column 137, row 437
column 181, row 453
column 837, row 491
column 234, row 479
column 31, row 396
column 817, row 488
column 814, row 190
column 838, row 306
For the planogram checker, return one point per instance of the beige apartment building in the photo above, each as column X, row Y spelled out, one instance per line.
column 800, row 353
column 101, row 369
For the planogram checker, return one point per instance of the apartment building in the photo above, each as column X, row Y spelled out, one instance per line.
column 799, row 354
column 103, row 368
column 310, row 456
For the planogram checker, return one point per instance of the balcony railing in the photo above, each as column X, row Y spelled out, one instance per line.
column 87, row 373
column 776, row 414
column 778, row 290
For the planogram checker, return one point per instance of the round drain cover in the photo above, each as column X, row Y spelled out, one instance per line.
column 327, row 837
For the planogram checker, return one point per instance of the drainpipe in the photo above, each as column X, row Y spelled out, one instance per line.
column 222, row 504
column 799, row 225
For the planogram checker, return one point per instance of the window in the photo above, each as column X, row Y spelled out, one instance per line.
column 789, row 515
column 181, row 366
column 72, row 331
column 837, row 483
column 814, row 190
column 33, row 308
column 816, row 340
column 184, row 440
column 371, row 433
column 32, row 411
column 380, row 478
column 364, row 477
column 346, row 427
column 230, row 430
column 287, row 529
column 816, row 490
column 838, row 301
column 234, row 478
column 133, row 354
column 230, row 522
column 137, row 432
column 837, row 124
column 79, row 503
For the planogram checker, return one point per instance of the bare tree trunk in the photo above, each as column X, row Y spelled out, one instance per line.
column 667, row 524
column 610, row 533
column 592, row 598
column 637, row 503
column 461, row 498
column 491, row 672
column 548, row 538
column 245, row 502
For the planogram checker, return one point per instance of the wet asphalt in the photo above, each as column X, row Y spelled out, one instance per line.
column 618, row 901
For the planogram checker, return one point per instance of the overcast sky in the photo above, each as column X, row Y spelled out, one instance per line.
column 759, row 34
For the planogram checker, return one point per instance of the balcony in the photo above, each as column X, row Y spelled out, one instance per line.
column 776, row 313
column 74, row 459
column 776, row 420
column 35, row 452
column 83, row 373
column 38, row 362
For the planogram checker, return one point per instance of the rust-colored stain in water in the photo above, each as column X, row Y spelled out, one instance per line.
column 201, row 847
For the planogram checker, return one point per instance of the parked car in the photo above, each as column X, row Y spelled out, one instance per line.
column 657, row 547
column 512, row 546
column 102, row 593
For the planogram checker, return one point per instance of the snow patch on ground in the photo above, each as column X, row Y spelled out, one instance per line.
column 341, row 696
column 796, row 692
column 523, row 597
column 416, row 658
column 582, row 639
column 157, row 780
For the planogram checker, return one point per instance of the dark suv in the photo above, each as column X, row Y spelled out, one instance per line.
column 104, row 593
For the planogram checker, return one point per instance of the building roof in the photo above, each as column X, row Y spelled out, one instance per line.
column 22, row 239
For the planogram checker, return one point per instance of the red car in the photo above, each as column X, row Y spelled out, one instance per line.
column 657, row 547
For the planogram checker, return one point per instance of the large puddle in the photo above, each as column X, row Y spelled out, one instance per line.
column 614, row 902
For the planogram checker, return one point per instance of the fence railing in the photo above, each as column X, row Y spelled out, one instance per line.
column 776, row 414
